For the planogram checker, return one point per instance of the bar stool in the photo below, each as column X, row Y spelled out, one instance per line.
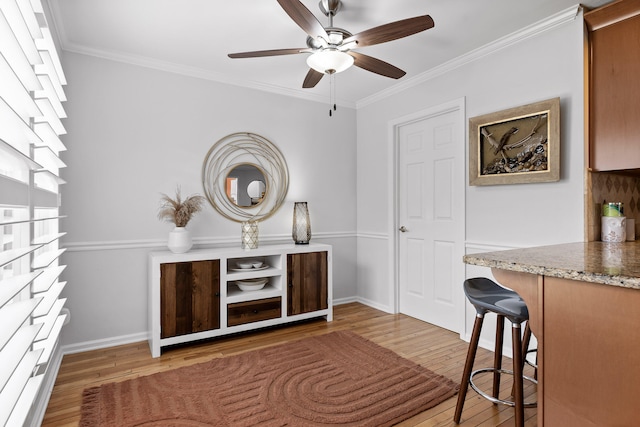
column 488, row 296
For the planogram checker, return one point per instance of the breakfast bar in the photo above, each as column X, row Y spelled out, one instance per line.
column 584, row 308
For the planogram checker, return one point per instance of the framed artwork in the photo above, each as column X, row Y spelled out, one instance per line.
column 516, row 146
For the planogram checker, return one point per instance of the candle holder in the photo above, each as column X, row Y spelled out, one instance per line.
column 301, row 224
column 250, row 235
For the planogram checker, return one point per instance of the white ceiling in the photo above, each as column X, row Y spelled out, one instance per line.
column 194, row 36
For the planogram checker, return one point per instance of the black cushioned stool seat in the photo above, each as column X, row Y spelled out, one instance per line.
column 487, row 296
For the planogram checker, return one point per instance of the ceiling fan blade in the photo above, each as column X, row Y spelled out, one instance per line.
column 304, row 18
column 272, row 52
column 312, row 78
column 392, row 31
column 377, row 66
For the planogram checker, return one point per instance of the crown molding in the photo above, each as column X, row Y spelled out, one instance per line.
column 565, row 16
column 170, row 67
column 199, row 73
column 560, row 18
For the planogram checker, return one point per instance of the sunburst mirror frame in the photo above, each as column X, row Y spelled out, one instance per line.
column 243, row 148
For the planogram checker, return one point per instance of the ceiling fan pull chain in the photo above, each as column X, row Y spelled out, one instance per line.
column 334, row 93
column 330, row 93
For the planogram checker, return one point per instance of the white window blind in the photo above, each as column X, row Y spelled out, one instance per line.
column 31, row 97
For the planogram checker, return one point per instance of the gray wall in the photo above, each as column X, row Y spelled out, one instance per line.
column 134, row 133
column 534, row 68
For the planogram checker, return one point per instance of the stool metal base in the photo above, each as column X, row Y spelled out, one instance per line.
column 495, row 399
column 527, row 361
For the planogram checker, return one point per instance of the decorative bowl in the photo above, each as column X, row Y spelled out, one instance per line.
column 252, row 284
column 244, row 264
column 256, row 264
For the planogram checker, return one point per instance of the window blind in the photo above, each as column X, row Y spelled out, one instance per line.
column 31, row 97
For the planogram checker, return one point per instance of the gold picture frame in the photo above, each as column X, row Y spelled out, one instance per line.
column 516, row 146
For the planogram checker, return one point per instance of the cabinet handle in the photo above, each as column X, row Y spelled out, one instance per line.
column 291, row 285
column 255, row 311
column 217, row 294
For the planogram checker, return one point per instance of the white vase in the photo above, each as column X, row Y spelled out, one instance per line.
column 179, row 240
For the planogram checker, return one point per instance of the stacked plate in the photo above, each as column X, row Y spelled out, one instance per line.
column 249, row 265
column 252, row 284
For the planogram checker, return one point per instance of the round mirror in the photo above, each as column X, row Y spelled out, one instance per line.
column 245, row 177
column 245, row 185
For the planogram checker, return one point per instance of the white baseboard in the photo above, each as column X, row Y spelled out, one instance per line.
column 104, row 343
column 144, row 336
column 341, row 301
column 373, row 304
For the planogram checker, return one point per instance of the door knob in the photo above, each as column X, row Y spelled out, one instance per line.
column 403, row 229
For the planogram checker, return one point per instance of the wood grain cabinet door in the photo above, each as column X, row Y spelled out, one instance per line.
column 614, row 110
column 307, row 283
column 189, row 297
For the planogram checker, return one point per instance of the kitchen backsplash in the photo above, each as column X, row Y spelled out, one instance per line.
column 613, row 187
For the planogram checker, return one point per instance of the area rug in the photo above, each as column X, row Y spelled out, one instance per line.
column 339, row 378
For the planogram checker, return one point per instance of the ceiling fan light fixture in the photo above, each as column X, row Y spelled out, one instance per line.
column 330, row 61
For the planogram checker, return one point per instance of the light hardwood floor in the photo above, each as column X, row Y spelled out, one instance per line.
column 440, row 350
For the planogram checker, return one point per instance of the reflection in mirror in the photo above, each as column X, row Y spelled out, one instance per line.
column 256, row 190
column 245, row 185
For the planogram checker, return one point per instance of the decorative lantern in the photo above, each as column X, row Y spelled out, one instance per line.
column 301, row 224
column 250, row 235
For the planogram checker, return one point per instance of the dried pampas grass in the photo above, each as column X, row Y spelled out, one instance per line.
column 177, row 210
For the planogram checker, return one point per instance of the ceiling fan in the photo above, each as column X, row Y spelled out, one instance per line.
column 331, row 48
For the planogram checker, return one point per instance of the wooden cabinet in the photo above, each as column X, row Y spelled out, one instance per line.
column 196, row 295
column 588, row 359
column 591, row 363
column 614, row 86
column 307, row 282
column 190, row 297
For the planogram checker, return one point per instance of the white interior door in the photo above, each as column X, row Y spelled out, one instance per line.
column 431, row 219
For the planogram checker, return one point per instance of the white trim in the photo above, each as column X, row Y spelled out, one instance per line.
column 105, row 343
column 171, row 67
column 161, row 244
column 143, row 337
column 392, row 187
column 533, row 30
column 342, row 301
column 372, row 235
column 374, row 304
column 199, row 73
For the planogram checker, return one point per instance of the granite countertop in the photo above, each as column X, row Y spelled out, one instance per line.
column 616, row 264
